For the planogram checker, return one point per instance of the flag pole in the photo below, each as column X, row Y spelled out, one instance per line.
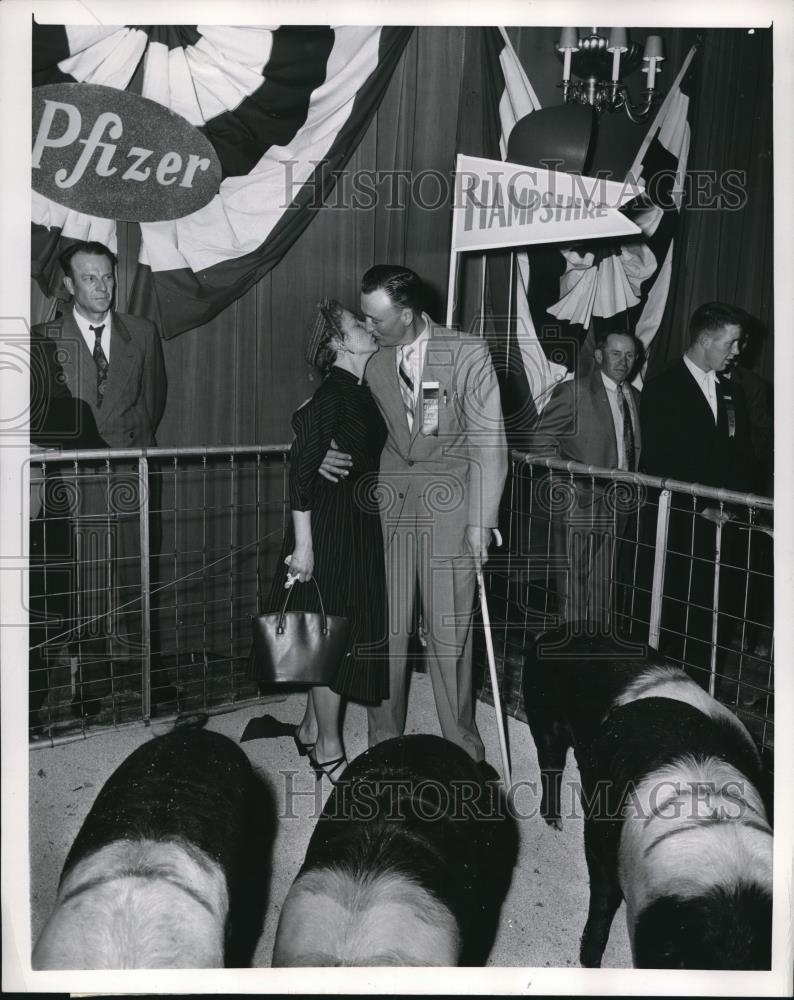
column 453, row 266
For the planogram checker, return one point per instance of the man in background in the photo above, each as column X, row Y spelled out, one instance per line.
column 113, row 364
column 695, row 429
column 593, row 420
column 690, row 431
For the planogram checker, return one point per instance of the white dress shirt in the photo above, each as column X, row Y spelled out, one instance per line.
column 416, row 362
column 84, row 325
column 612, row 395
column 707, row 382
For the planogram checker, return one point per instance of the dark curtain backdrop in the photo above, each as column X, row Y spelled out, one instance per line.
column 238, row 379
column 727, row 253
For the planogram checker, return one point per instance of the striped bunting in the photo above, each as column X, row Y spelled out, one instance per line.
column 633, row 280
column 284, row 108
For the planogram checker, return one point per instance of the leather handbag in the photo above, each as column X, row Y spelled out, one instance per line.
column 299, row 647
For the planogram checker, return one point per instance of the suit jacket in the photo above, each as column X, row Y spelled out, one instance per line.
column 681, row 439
column 455, row 477
column 135, row 390
column 577, row 423
column 760, row 413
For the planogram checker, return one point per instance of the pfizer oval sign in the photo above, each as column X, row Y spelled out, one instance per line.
column 106, row 152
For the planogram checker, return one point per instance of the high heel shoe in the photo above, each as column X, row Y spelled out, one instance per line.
column 327, row 768
column 303, row 749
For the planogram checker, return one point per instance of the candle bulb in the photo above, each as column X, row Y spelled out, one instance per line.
column 569, row 42
column 654, row 53
column 618, row 42
column 615, row 65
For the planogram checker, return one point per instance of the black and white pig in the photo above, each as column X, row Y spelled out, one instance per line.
column 673, row 794
column 170, row 867
column 408, row 864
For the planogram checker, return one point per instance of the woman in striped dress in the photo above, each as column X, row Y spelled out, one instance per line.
column 335, row 535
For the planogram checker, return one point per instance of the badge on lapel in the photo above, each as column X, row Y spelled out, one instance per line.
column 430, row 397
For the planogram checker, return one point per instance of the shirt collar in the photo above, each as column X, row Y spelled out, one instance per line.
column 609, row 383
column 86, row 324
column 697, row 371
column 422, row 336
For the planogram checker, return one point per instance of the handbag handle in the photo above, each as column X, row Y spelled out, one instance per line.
column 280, row 627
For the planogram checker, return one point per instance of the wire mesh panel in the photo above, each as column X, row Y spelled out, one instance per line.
column 145, row 568
column 144, row 572
column 684, row 569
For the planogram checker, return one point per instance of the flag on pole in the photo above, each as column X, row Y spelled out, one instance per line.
column 633, row 279
column 284, row 107
column 509, row 93
column 662, row 162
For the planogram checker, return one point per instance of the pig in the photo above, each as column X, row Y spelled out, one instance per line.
column 408, row 863
column 676, row 803
column 170, row 867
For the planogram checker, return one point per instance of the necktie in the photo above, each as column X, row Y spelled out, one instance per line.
column 407, row 383
column 628, row 429
column 101, row 363
column 725, row 394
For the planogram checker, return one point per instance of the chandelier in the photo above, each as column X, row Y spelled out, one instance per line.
column 600, row 61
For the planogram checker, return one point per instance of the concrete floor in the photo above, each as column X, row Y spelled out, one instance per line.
column 542, row 916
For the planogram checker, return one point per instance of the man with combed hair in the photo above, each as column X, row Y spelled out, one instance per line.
column 442, row 473
column 113, row 363
column 695, row 429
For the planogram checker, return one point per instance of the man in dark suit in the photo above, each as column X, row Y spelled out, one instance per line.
column 593, row 420
column 113, row 363
column 690, row 431
column 696, row 429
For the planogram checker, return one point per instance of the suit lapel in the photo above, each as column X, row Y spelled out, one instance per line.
column 699, row 401
column 438, row 367
column 382, row 379
column 78, row 365
column 423, row 376
column 120, row 365
column 604, row 415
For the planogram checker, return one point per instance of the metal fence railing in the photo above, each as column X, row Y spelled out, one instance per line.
column 144, row 569
column 683, row 568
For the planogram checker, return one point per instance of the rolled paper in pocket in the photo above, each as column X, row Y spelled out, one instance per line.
column 430, row 408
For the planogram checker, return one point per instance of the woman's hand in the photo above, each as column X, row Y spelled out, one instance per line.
column 301, row 565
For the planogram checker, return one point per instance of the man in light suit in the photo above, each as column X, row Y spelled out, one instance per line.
column 442, row 473
column 114, row 364
column 593, row 420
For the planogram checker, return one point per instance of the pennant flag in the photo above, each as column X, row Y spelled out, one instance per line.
column 508, row 96
column 633, row 280
column 284, row 108
column 505, row 205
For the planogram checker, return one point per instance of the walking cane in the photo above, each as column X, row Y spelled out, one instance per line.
column 500, row 725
